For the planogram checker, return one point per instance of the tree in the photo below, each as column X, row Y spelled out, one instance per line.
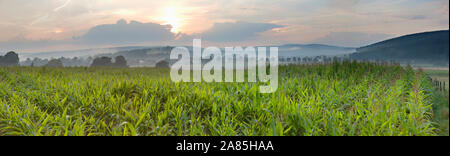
column 106, row 62
column 101, row 62
column 162, row 64
column 10, row 59
column 120, row 62
column 55, row 63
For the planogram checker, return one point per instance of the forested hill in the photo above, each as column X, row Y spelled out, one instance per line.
column 427, row 47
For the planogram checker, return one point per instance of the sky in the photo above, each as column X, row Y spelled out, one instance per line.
column 48, row 25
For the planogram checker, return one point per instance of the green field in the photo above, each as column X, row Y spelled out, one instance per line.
column 442, row 75
column 439, row 75
column 338, row 99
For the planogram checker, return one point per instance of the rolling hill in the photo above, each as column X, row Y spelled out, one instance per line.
column 309, row 50
column 420, row 48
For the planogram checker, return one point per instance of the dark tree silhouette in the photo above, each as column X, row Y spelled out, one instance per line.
column 55, row 63
column 120, row 62
column 101, row 62
column 106, row 62
column 162, row 64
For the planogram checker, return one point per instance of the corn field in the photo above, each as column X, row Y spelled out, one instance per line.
column 334, row 99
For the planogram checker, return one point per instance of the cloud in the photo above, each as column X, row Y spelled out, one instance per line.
column 22, row 44
column 346, row 4
column 119, row 34
column 303, row 21
column 236, row 32
column 62, row 6
column 352, row 39
column 418, row 17
column 124, row 33
column 47, row 15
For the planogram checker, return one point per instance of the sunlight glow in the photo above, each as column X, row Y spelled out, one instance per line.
column 124, row 12
column 57, row 31
column 172, row 18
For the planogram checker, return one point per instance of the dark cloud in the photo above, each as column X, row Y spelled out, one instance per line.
column 123, row 33
column 129, row 33
column 236, row 32
column 351, row 39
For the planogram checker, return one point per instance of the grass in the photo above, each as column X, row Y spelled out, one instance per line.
column 337, row 99
column 439, row 74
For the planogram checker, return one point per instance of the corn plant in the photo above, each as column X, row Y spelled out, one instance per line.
column 335, row 99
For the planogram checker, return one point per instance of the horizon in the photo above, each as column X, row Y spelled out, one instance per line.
column 182, row 45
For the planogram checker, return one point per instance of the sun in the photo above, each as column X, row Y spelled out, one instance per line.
column 171, row 17
column 58, row 31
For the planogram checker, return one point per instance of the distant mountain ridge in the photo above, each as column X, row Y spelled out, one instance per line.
column 427, row 47
column 309, row 50
column 78, row 53
column 321, row 46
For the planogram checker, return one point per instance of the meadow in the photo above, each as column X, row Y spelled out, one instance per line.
column 335, row 99
column 442, row 75
column 439, row 74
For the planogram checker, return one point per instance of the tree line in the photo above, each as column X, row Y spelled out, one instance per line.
column 12, row 59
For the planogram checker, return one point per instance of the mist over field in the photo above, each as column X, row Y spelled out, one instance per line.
column 422, row 49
